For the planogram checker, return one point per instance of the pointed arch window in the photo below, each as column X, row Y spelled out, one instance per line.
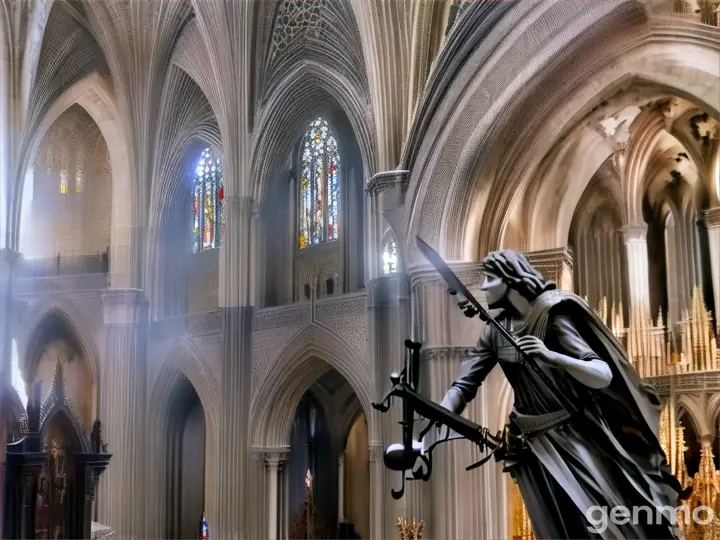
column 319, row 186
column 390, row 258
column 207, row 196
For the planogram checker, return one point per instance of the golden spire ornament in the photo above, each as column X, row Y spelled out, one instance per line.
column 410, row 530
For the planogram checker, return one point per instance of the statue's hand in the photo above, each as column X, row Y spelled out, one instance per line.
column 535, row 347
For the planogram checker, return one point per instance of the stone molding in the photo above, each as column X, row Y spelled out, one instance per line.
column 446, row 353
column 61, row 284
column 552, row 264
column 686, row 383
column 199, row 324
column 634, row 232
column 124, row 306
column 383, row 181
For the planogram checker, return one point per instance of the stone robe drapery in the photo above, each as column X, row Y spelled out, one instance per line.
column 606, row 457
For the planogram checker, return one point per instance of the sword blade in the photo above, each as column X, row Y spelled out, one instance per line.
column 446, row 272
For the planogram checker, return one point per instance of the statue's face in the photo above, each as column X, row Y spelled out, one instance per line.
column 496, row 290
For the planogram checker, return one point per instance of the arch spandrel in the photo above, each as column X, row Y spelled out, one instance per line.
column 314, row 351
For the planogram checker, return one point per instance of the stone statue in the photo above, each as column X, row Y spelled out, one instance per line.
column 583, row 437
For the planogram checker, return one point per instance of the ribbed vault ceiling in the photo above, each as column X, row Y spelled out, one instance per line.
column 321, row 31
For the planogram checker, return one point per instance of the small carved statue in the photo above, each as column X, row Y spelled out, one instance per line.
column 98, row 445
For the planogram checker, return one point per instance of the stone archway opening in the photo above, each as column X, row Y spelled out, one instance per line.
column 327, row 473
column 185, row 462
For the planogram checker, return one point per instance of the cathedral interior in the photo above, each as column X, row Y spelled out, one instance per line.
column 209, row 266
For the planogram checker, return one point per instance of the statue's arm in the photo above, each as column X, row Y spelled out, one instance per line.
column 475, row 368
column 576, row 356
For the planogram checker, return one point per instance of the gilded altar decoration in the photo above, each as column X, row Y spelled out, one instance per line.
column 309, row 524
column 705, row 493
column 52, row 493
column 522, row 528
column 410, row 530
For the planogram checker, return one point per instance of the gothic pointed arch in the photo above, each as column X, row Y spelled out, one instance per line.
column 55, row 309
column 390, row 255
column 183, row 374
column 174, row 193
column 51, row 65
column 308, row 91
column 465, row 219
column 55, row 330
column 313, row 352
column 58, row 411
column 94, row 95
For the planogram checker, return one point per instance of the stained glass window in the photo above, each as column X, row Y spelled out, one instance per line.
column 79, row 182
column 319, row 186
column 207, row 196
column 390, row 257
column 63, row 181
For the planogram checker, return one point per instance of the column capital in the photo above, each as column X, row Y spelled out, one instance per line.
column 470, row 273
column 635, row 231
column 124, row 306
column 341, row 459
column 554, row 264
column 274, row 461
column 383, row 181
column 711, row 218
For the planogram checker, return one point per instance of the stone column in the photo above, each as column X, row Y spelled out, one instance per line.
column 8, row 263
column 635, row 238
column 388, row 301
column 460, row 504
column 712, row 222
column 388, row 327
column 341, row 487
column 237, row 294
column 123, row 402
column 273, row 462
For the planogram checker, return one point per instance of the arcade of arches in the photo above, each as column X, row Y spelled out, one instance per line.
column 209, row 213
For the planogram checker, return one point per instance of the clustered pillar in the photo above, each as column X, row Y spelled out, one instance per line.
column 712, row 223
column 237, row 259
column 635, row 237
column 121, row 501
column 446, row 335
